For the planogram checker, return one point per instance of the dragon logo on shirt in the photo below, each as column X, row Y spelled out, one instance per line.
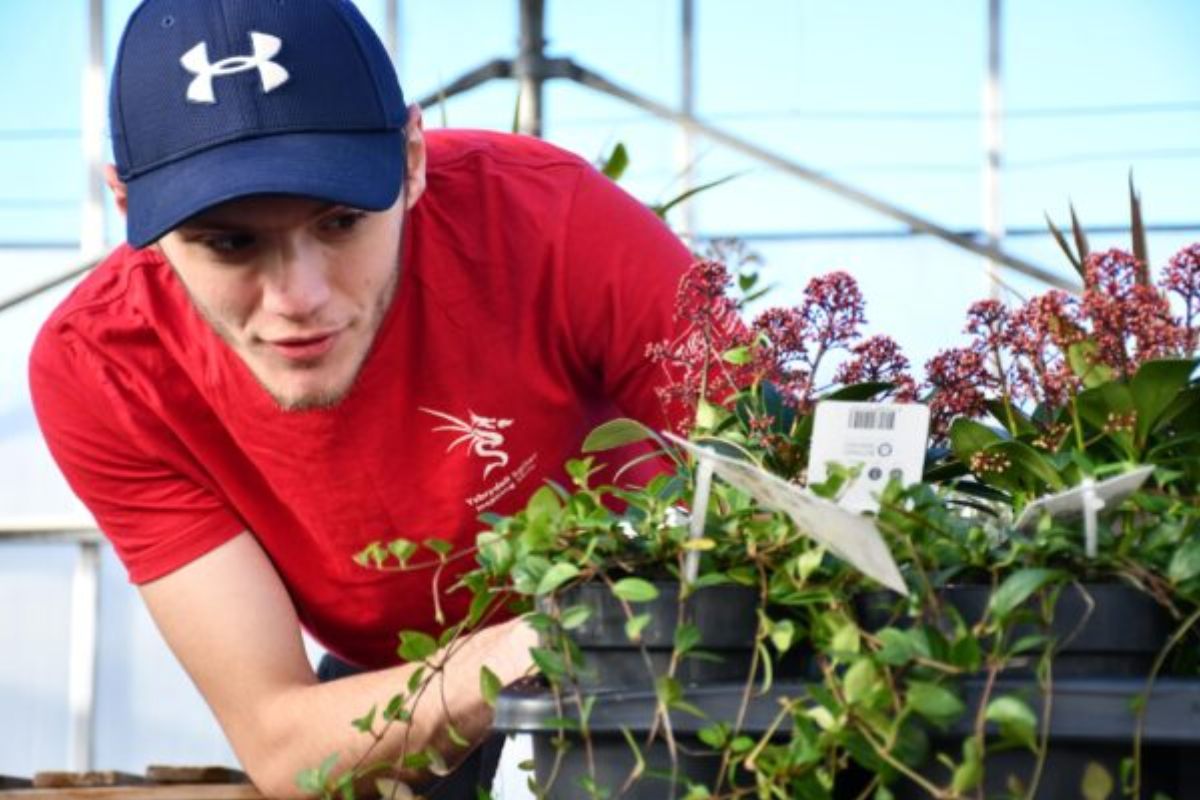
column 481, row 435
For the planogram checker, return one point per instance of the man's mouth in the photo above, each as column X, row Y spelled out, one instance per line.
column 304, row 348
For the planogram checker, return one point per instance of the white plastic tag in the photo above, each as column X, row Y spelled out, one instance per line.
column 851, row 537
column 1073, row 502
column 887, row 440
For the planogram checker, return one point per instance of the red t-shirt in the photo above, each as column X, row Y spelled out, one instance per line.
column 530, row 287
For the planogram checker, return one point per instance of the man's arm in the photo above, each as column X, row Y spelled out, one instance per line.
column 230, row 622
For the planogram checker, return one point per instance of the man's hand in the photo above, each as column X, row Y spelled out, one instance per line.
column 230, row 622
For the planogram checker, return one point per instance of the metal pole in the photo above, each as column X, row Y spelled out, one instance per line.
column 392, row 32
column 81, row 674
column 598, row 82
column 687, row 150
column 528, row 68
column 993, row 221
column 91, row 238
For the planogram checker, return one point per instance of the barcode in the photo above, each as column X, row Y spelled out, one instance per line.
column 872, row 419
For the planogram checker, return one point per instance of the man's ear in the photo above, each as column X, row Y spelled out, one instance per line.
column 414, row 176
column 120, row 193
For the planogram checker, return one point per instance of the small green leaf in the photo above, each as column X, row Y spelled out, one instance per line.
column 616, row 433
column 634, row 626
column 1097, row 783
column 574, row 617
column 1185, row 563
column 556, row 576
column 897, row 647
column 1155, row 386
column 489, row 686
column 687, row 636
column 456, row 737
column 738, row 355
column 861, row 679
column 1016, row 720
column 543, row 504
column 416, row 646
column 365, row 723
column 1017, row 588
column 845, row 639
column 439, row 546
column 402, row 550
column 783, row 634
column 714, row 735
column 616, row 163
column 549, row 662
column 935, row 703
column 635, row 590
column 968, row 774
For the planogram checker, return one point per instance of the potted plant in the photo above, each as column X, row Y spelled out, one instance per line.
column 1001, row 661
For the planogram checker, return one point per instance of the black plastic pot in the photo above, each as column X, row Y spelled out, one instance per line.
column 726, row 617
column 1091, row 721
column 1101, row 629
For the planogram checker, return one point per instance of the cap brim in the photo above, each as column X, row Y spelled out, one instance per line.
column 360, row 169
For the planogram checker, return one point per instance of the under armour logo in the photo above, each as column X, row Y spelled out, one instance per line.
column 266, row 47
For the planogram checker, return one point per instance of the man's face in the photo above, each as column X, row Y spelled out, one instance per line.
column 296, row 287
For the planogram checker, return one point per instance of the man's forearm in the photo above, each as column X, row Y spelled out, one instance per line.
column 306, row 725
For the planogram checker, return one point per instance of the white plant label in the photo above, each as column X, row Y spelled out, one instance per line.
column 851, row 537
column 885, row 440
column 1074, row 502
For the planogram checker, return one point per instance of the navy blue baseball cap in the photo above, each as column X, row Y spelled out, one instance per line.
column 213, row 100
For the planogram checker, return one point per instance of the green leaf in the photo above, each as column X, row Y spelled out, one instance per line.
column 549, row 662
column 402, row 550
column 574, row 617
column 489, row 686
column 314, row 780
column 738, row 356
column 714, row 735
column 555, row 577
column 783, row 634
column 935, row 703
column 897, row 649
column 416, row 646
column 968, row 437
column 1081, row 241
column 1028, row 464
column 1138, row 234
column 845, row 639
column 456, row 737
column 365, row 723
column 661, row 209
column 1017, row 588
column 1185, row 563
column 616, row 163
column 861, row 679
column 1155, row 386
column 634, row 626
column 1016, row 720
column 968, row 774
column 616, row 433
column 544, row 504
column 1062, row 244
column 635, row 590
column 687, row 636
column 1097, row 783
column 1081, row 356
column 439, row 546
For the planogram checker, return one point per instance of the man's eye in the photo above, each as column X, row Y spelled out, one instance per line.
column 228, row 243
column 344, row 221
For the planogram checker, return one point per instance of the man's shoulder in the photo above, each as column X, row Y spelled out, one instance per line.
column 450, row 148
column 103, row 294
column 106, row 308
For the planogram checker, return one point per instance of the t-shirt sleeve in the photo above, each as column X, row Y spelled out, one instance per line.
column 155, row 509
column 624, row 268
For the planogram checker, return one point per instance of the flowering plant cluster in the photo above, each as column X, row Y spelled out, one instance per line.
column 1078, row 385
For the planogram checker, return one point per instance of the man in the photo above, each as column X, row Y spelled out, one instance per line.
column 329, row 328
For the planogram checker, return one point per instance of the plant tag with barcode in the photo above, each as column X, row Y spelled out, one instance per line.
column 851, row 537
column 885, row 440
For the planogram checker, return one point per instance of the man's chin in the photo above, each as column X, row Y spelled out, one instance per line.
column 307, row 397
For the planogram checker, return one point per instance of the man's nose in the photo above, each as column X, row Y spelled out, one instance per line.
column 297, row 284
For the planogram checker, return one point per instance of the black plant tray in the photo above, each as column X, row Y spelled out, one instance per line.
column 725, row 616
column 1091, row 720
